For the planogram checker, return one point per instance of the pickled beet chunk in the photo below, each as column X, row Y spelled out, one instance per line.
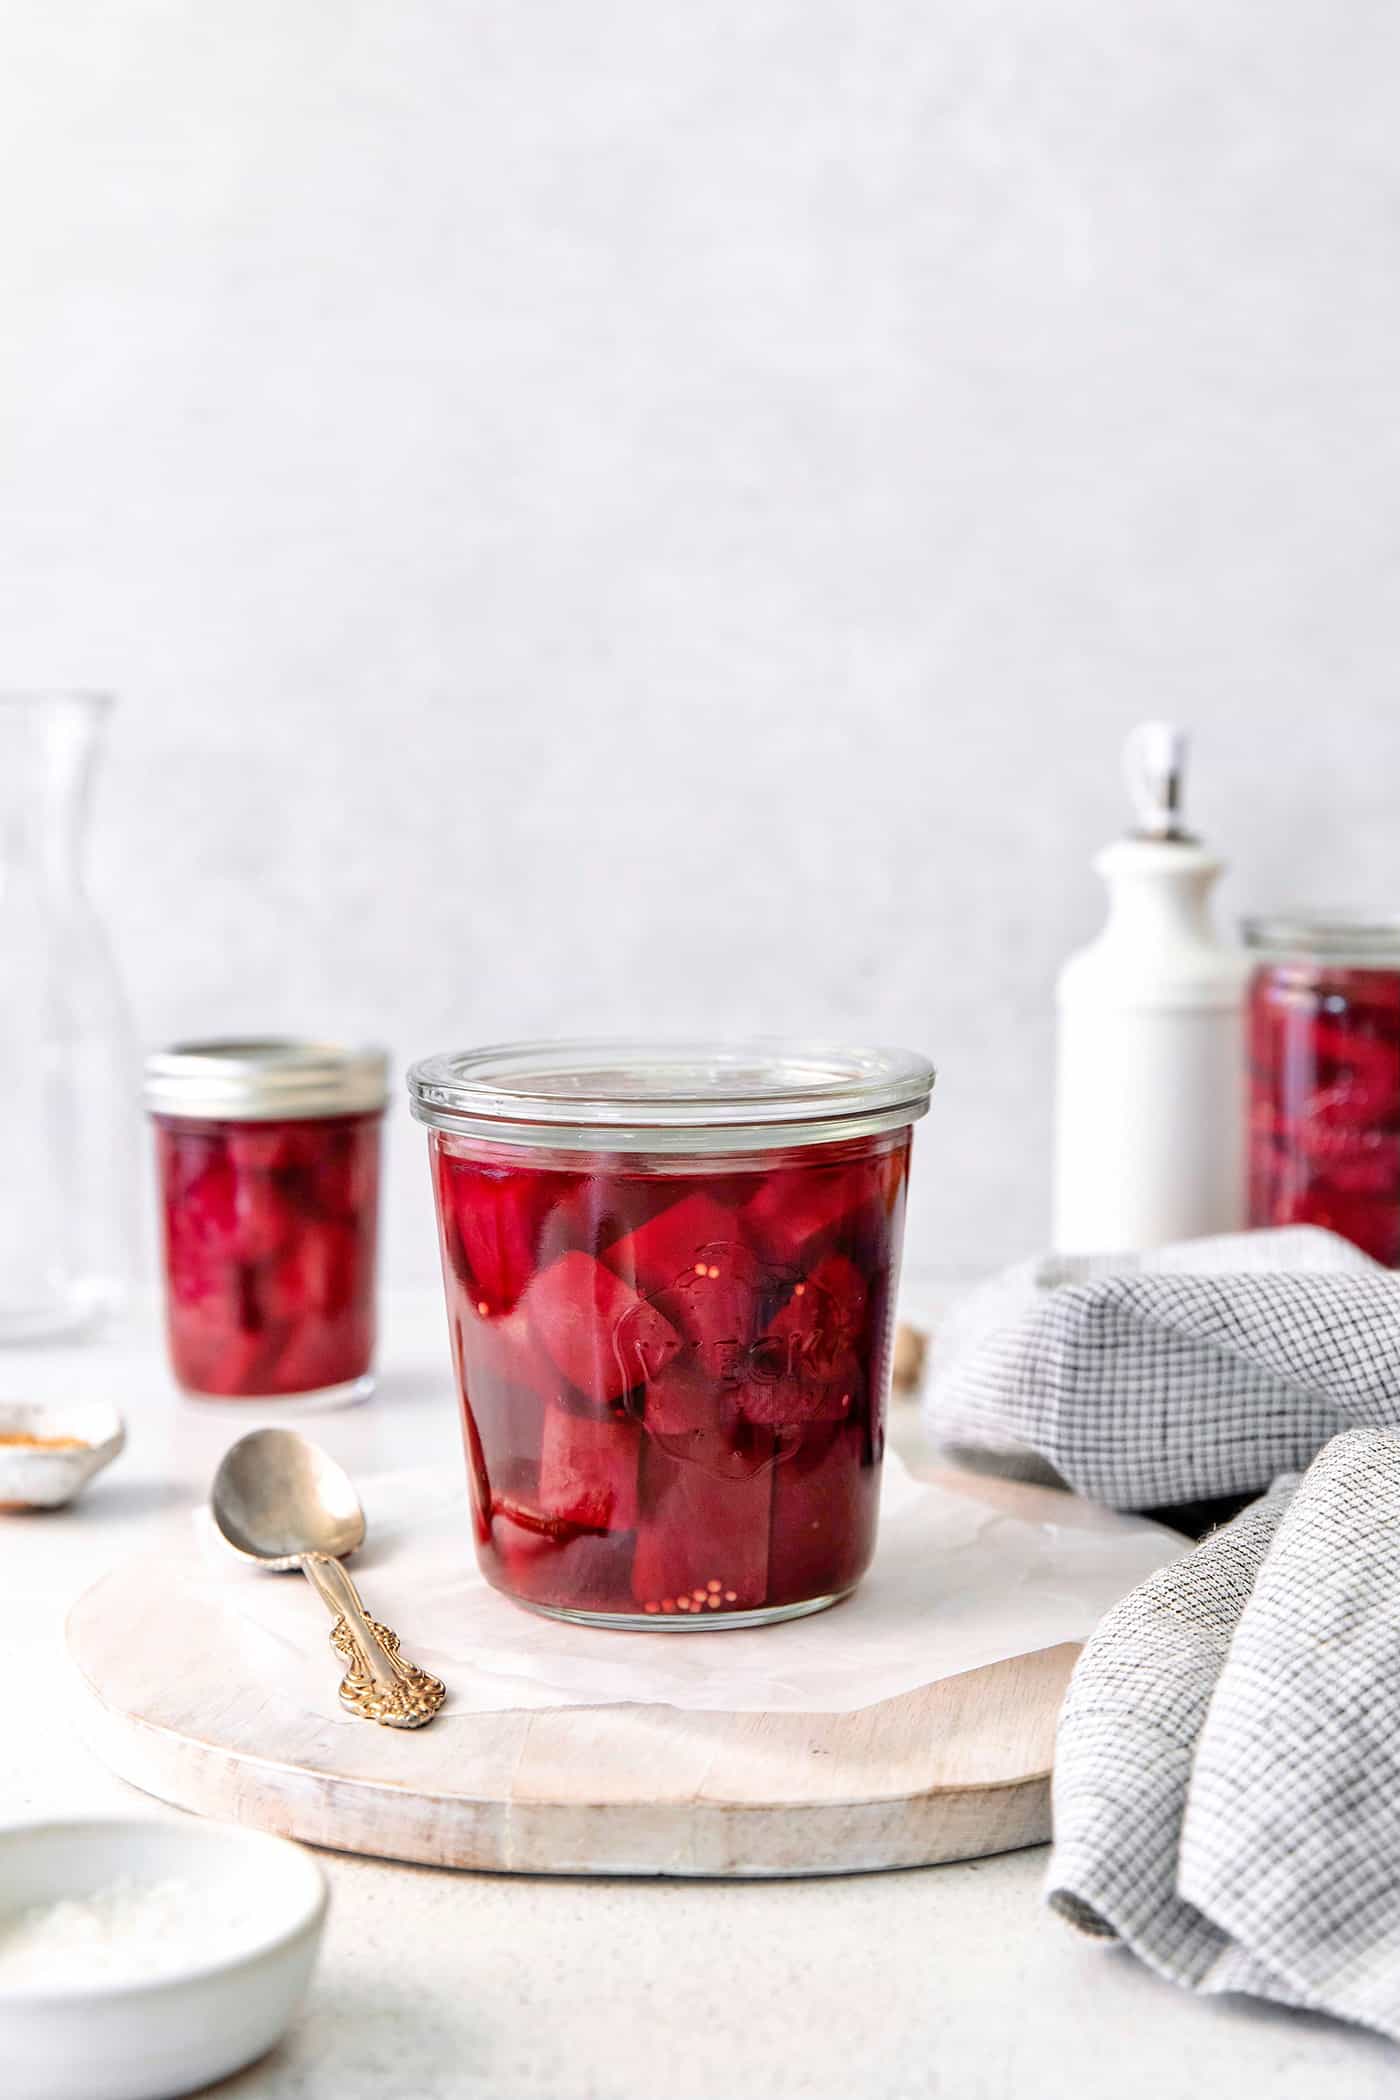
column 491, row 1223
column 586, row 1571
column 603, row 1209
column 826, row 1308
column 1363, row 1072
column 576, row 1308
column 806, row 1367
column 344, row 1179
column 216, row 1209
column 795, row 1392
column 702, row 1534
column 201, row 1195
column 223, row 1360
column 275, row 1148
column 506, row 1355
column 825, row 1497
column 500, row 1415
column 264, row 1221
column 588, row 1470
column 320, row 1275
column 683, row 1399
column 323, row 1353
column 680, row 1402
column 720, row 1303
column 668, row 1247
column 794, row 1209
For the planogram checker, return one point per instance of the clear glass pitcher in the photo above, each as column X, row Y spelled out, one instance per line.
column 69, row 1074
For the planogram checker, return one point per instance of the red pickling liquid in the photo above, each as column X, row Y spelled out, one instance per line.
column 1324, row 1132
column 270, row 1232
column 673, row 1382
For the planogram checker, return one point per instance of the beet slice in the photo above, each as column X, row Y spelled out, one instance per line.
column 577, row 1310
column 588, row 1470
column 703, row 1529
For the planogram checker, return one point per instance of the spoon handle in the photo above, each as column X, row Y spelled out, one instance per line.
column 378, row 1685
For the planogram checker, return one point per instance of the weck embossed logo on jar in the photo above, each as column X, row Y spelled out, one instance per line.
column 763, row 1353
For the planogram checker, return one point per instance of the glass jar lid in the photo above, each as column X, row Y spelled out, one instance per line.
column 266, row 1078
column 1335, row 936
column 642, row 1095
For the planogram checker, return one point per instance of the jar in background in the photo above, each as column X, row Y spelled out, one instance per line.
column 268, row 1160
column 1324, row 1084
column 670, row 1275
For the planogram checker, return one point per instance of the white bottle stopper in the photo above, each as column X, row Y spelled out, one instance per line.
column 1154, row 767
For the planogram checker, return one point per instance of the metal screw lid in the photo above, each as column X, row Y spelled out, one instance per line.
column 266, row 1078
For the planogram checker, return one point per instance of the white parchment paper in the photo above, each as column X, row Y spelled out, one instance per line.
column 955, row 1584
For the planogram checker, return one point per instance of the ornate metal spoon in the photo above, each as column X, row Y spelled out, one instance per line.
column 284, row 1502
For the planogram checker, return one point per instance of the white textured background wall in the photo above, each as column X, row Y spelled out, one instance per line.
column 649, row 514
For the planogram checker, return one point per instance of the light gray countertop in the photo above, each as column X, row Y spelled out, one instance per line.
column 949, row 1981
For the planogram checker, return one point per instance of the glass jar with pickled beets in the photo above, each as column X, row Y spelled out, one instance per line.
column 268, row 1162
column 1324, row 1078
column 670, row 1276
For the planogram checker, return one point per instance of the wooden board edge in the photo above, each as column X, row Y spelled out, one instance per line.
column 698, row 1840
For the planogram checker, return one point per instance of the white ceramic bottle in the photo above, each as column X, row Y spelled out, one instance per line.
column 1149, row 1124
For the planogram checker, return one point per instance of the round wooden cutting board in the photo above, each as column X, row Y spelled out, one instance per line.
column 952, row 1771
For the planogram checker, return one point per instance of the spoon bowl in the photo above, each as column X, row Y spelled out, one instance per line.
column 277, row 1496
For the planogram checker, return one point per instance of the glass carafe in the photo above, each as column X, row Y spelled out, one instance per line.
column 69, row 1101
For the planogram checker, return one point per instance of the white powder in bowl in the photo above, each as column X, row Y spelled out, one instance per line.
column 128, row 1932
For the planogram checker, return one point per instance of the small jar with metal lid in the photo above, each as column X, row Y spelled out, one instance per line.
column 1324, row 1077
column 268, row 1161
column 670, row 1274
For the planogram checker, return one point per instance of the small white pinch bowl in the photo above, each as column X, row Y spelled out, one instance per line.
column 35, row 1479
column 202, row 2016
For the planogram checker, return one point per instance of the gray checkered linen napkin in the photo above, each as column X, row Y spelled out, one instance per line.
column 1203, row 1370
column 1227, row 1772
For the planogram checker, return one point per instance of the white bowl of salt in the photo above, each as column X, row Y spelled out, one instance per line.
column 142, row 1958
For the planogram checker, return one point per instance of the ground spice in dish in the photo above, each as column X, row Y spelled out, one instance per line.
column 16, row 1441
